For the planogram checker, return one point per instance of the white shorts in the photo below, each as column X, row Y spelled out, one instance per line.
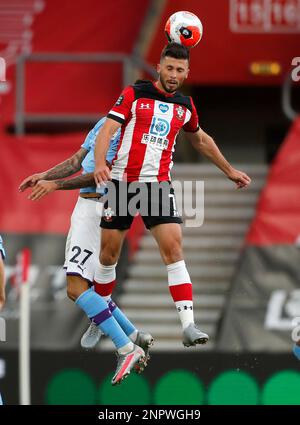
column 83, row 240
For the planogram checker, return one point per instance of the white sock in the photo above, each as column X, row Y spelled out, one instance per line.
column 185, row 312
column 180, row 287
column 105, row 274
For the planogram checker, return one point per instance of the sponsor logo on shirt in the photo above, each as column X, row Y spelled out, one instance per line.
column 159, row 127
column 158, row 142
column 163, row 107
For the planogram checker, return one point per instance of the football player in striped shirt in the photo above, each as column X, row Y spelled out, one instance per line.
column 150, row 115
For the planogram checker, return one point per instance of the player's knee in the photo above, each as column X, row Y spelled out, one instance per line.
column 172, row 254
column 108, row 259
column 108, row 255
column 75, row 287
column 71, row 292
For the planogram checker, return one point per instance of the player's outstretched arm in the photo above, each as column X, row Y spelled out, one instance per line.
column 102, row 172
column 205, row 144
column 44, row 187
column 59, row 171
column 2, row 283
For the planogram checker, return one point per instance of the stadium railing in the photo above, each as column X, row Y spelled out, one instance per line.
column 129, row 65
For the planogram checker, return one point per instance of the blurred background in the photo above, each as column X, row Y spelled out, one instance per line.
column 66, row 65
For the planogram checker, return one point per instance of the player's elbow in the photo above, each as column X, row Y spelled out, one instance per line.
column 76, row 165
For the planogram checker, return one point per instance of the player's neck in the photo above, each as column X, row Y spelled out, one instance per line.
column 161, row 88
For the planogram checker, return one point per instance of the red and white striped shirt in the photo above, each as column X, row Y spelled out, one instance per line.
column 150, row 122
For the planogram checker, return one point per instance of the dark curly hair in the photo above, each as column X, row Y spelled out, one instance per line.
column 176, row 51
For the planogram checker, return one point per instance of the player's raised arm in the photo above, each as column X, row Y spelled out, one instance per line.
column 205, row 144
column 102, row 172
column 64, row 169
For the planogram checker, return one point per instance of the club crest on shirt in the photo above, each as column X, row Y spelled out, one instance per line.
column 108, row 214
column 179, row 112
column 120, row 100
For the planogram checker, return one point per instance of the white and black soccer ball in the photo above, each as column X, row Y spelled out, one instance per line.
column 184, row 28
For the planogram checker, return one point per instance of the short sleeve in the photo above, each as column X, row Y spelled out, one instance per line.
column 122, row 108
column 87, row 142
column 192, row 125
column 90, row 138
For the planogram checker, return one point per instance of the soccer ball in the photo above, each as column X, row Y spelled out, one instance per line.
column 184, row 28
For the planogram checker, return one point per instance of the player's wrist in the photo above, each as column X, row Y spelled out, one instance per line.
column 57, row 184
column 101, row 164
column 41, row 176
column 228, row 170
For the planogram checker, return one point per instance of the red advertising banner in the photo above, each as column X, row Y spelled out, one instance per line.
column 265, row 16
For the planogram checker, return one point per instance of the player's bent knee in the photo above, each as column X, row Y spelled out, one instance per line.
column 172, row 255
column 108, row 259
column 108, row 256
column 76, row 286
column 71, row 293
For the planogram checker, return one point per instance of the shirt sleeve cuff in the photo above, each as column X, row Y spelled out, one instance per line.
column 116, row 118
